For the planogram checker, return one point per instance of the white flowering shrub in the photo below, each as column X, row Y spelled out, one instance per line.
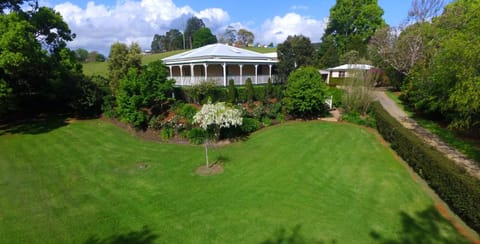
column 218, row 115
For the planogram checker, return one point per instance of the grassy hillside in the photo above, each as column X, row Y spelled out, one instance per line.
column 90, row 182
column 100, row 68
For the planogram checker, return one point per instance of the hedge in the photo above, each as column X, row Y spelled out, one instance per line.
column 458, row 189
column 220, row 94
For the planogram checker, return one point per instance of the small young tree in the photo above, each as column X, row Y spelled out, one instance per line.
column 250, row 91
column 213, row 117
column 232, row 92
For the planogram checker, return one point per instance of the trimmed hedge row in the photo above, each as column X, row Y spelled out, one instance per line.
column 220, row 94
column 458, row 189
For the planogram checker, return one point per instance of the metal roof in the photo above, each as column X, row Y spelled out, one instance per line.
column 352, row 67
column 218, row 53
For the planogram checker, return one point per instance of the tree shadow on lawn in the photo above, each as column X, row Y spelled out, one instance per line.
column 34, row 126
column 281, row 236
column 426, row 226
column 143, row 236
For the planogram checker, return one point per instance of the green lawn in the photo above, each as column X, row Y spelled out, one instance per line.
column 85, row 182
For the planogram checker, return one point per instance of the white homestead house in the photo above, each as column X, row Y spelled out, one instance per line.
column 344, row 71
column 221, row 63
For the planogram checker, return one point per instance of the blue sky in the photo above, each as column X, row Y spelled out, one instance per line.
column 100, row 23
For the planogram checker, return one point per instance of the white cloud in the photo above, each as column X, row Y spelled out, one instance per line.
column 299, row 7
column 276, row 30
column 97, row 26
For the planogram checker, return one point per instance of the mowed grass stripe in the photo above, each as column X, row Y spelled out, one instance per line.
column 336, row 182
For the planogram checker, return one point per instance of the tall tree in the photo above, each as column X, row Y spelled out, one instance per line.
column 193, row 25
column 82, row 54
column 120, row 60
column 245, row 37
column 203, row 37
column 37, row 71
column 294, row 52
column 174, row 39
column 424, row 10
column 159, row 43
column 229, row 36
column 51, row 30
column 353, row 21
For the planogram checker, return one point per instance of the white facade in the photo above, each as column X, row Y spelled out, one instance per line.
column 345, row 71
column 221, row 63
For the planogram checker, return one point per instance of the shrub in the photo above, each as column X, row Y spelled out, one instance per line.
column 167, row 133
column 250, row 93
column 197, row 135
column 266, row 121
column 305, row 93
column 458, row 189
column 108, row 106
column 187, row 111
column 250, row 125
column 259, row 92
column 269, row 89
column 232, row 92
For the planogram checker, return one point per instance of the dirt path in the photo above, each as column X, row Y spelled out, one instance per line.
column 459, row 158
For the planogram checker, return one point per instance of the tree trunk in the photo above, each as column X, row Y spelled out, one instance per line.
column 206, row 151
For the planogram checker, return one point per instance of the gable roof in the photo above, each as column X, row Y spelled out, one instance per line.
column 352, row 67
column 218, row 53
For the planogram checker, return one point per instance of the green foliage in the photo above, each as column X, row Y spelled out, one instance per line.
column 232, row 92
column 167, row 133
column 172, row 40
column 352, row 23
column 266, row 121
column 458, row 189
column 193, row 25
column 120, row 60
column 305, row 93
column 269, row 89
column 356, row 118
column 250, row 93
column 82, row 54
column 142, row 90
column 197, row 136
column 89, row 98
column 245, row 37
column 203, row 37
column 446, row 83
column 200, row 93
column 295, row 51
column 38, row 73
column 337, row 95
column 250, row 125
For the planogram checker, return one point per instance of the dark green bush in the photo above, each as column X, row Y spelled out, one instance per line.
column 259, row 92
column 250, row 125
column 269, row 89
column 232, row 92
column 458, row 189
column 197, row 135
column 250, row 93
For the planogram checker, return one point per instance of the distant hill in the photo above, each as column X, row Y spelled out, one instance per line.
column 100, row 68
